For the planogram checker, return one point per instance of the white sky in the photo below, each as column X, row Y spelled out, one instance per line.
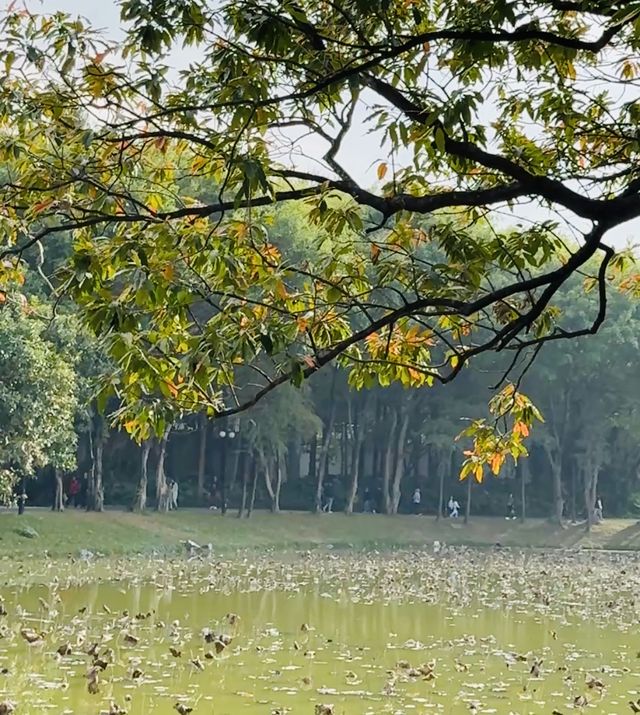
column 360, row 154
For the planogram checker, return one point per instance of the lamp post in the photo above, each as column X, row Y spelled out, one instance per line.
column 224, row 435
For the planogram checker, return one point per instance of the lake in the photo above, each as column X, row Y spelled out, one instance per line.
column 449, row 632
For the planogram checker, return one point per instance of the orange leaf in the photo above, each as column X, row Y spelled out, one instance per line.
column 168, row 272
column 382, row 170
column 375, row 252
column 496, row 462
column 281, row 290
column 3, row 296
column 100, row 56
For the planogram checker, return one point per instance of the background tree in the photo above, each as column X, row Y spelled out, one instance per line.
column 38, row 399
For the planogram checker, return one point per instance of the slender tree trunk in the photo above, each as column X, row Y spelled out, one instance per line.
column 443, row 466
column 273, row 481
column 590, row 482
column 356, row 450
column 323, row 461
column 162, row 488
column 278, row 469
column 293, row 457
column 313, row 459
column 235, row 464
column 254, row 484
column 95, row 488
column 246, row 469
column 327, row 432
column 140, row 500
column 202, row 456
column 389, row 465
column 344, row 457
column 396, row 492
column 223, row 475
column 58, row 499
column 574, row 489
column 467, row 506
column 556, row 476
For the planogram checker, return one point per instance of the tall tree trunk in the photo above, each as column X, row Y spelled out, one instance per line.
column 574, row 489
column 355, row 475
column 444, row 462
column 467, row 506
column 323, row 461
column 246, row 470
column 590, row 472
column 235, row 464
column 95, row 488
column 140, row 499
column 294, row 449
column 254, row 484
column 203, row 425
column 556, row 475
column 396, row 492
column 356, row 449
column 389, row 465
column 223, row 475
column 58, row 498
column 313, row 459
column 162, row 488
column 344, row 456
column 273, row 481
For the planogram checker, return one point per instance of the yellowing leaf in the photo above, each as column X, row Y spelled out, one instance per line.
column 281, row 290
column 382, row 170
column 375, row 252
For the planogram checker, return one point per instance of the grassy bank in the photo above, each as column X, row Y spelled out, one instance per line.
column 119, row 532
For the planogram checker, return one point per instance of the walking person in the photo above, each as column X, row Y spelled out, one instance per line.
column 598, row 511
column 74, row 492
column 367, row 507
column 455, row 508
column 328, row 498
column 450, row 506
column 174, row 494
column 511, row 508
column 416, row 499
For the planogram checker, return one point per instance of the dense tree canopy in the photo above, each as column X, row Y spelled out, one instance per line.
column 479, row 106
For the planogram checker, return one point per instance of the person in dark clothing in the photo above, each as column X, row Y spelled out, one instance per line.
column 511, row 507
column 367, row 506
column 328, row 493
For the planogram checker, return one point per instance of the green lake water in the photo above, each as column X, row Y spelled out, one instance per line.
column 410, row 633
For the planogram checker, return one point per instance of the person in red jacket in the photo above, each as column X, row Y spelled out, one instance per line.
column 74, row 491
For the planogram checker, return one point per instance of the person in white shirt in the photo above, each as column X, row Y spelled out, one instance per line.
column 173, row 495
column 415, row 500
column 455, row 508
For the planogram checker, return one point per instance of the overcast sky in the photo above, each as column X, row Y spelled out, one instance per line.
column 361, row 153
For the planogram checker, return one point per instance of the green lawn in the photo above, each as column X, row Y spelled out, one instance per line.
column 119, row 532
